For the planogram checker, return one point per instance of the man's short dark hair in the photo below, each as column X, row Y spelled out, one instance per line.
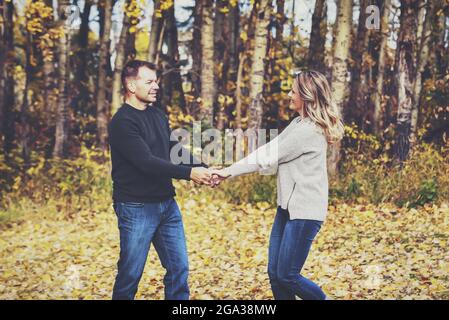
column 131, row 69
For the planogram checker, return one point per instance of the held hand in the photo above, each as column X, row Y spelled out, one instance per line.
column 201, row 175
column 218, row 175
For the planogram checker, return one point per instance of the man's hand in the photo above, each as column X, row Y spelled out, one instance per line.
column 218, row 175
column 201, row 175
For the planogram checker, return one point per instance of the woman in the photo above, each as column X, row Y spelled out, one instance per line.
column 299, row 156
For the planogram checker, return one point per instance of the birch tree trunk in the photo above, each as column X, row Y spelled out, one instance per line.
column 207, row 64
column 342, row 42
column 257, row 74
column 155, row 32
column 406, row 72
column 423, row 4
column 422, row 59
column 61, row 136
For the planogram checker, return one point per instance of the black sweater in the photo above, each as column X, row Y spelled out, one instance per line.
column 140, row 153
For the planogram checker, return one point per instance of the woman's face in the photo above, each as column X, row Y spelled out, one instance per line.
column 296, row 102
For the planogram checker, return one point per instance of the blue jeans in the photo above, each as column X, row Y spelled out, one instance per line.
column 290, row 242
column 141, row 224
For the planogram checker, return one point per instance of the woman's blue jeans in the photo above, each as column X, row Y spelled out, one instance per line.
column 290, row 242
column 141, row 224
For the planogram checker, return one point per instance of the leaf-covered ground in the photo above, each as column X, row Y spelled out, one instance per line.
column 361, row 252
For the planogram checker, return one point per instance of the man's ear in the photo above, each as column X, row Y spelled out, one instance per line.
column 131, row 86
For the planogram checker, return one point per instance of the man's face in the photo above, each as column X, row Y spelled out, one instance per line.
column 145, row 85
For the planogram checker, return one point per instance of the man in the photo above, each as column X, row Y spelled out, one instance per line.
column 143, row 192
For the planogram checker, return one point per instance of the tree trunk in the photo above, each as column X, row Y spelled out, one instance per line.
column 117, row 92
column 439, row 53
column 130, row 45
column 341, row 54
column 385, row 30
column 221, row 52
column 238, row 92
column 83, row 37
column 173, row 92
column 233, row 21
column 342, row 42
column 155, row 32
column 207, row 64
column 82, row 55
column 102, row 102
column 278, row 47
column 258, row 65
column 292, row 28
column 61, row 136
column 131, row 7
column 49, row 86
column 420, row 24
column 422, row 59
column 7, row 77
column 195, row 73
column 406, row 72
column 230, row 64
column 244, row 48
column 50, row 77
column 359, row 72
column 24, row 128
column 318, row 37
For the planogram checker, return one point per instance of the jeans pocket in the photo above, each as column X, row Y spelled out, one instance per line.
column 134, row 204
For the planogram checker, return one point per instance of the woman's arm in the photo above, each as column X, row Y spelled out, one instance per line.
column 284, row 148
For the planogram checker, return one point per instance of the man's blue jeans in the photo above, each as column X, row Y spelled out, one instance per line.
column 141, row 224
column 290, row 242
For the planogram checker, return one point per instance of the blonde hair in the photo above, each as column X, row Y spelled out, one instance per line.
column 319, row 105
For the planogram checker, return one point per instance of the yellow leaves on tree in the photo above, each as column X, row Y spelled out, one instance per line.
column 133, row 11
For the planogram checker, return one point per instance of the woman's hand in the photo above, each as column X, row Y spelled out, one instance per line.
column 218, row 175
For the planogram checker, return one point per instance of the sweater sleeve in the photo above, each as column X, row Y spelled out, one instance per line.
column 284, row 148
column 125, row 138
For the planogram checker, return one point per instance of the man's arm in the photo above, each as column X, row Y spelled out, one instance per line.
column 125, row 138
column 283, row 148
